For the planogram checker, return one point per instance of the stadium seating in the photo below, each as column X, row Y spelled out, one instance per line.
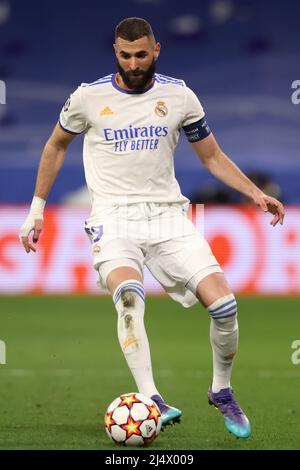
column 239, row 56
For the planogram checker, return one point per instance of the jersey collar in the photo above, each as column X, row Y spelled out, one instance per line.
column 130, row 92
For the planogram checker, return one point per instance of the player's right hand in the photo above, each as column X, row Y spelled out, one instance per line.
column 30, row 224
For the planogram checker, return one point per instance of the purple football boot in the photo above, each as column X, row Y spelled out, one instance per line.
column 236, row 421
column 169, row 414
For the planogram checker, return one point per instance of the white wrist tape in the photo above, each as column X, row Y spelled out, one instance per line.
column 36, row 213
column 37, row 208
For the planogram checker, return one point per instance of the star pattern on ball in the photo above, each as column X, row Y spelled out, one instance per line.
column 109, row 421
column 129, row 400
column 132, row 427
column 153, row 413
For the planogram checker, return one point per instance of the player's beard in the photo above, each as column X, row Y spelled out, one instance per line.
column 137, row 80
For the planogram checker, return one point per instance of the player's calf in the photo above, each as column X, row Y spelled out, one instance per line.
column 129, row 299
column 224, row 339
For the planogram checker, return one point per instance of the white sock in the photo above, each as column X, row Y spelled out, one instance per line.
column 224, row 339
column 130, row 304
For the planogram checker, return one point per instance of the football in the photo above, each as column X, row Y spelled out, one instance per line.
column 132, row 419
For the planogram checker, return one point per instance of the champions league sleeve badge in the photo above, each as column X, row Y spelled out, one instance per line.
column 67, row 104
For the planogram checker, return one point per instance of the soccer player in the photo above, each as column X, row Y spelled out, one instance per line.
column 131, row 122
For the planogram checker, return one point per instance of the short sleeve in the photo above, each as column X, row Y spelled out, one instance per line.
column 193, row 108
column 72, row 118
column 194, row 121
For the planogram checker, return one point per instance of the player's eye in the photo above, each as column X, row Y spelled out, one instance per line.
column 125, row 56
column 141, row 55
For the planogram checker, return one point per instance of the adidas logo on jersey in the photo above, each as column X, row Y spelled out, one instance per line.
column 105, row 111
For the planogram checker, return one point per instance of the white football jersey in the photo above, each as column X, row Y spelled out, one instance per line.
column 130, row 138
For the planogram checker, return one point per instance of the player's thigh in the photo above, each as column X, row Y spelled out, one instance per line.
column 117, row 260
column 211, row 288
column 181, row 260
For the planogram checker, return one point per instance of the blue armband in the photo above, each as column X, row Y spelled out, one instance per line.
column 197, row 131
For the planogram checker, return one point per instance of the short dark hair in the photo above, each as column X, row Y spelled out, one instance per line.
column 132, row 29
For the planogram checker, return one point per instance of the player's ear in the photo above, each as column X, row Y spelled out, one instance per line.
column 115, row 49
column 116, row 45
column 156, row 50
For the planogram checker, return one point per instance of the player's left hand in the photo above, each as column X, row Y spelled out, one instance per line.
column 270, row 204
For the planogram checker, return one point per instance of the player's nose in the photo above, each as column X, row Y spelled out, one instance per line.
column 133, row 65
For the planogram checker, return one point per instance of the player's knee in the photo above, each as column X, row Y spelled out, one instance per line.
column 128, row 294
column 128, row 299
column 223, row 310
column 112, row 273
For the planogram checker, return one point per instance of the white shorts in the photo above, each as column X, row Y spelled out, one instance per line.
column 159, row 236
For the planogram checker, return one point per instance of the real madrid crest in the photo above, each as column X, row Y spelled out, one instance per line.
column 161, row 109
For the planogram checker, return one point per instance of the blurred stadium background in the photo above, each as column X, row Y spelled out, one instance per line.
column 241, row 58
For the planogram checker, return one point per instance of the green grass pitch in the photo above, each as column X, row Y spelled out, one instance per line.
column 64, row 367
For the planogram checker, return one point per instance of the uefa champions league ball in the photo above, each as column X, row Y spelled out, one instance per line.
column 132, row 419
